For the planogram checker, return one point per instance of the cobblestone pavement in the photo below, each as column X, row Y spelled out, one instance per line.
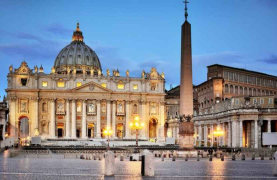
column 59, row 168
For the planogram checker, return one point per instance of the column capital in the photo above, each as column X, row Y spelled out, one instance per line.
column 52, row 99
column 143, row 102
column 84, row 100
column 98, row 100
column 162, row 103
column 35, row 99
column 73, row 100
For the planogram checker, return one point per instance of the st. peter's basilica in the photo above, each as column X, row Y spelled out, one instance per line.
column 78, row 99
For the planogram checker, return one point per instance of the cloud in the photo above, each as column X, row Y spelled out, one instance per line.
column 270, row 60
column 58, row 29
column 30, row 47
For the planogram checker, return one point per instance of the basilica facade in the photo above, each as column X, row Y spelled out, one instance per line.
column 77, row 100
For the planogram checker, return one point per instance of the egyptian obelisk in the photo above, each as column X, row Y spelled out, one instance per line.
column 186, row 89
column 186, row 127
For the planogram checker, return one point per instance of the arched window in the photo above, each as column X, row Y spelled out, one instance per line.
column 245, row 91
column 231, row 89
column 226, row 88
column 236, row 90
column 250, row 91
column 241, row 90
column 44, row 107
column 135, row 109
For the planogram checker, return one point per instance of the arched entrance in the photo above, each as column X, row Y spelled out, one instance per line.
column 153, row 128
column 23, row 126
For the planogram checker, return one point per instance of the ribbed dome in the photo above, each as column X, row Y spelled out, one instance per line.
column 77, row 56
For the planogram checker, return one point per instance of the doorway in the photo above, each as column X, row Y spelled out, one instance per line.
column 23, row 127
column 153, row 128
column 91, row 130
column 119, row 130
column 60, row 127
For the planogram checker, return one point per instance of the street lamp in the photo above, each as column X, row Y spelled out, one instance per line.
column 136, row 125
column 218, row 133
column 108, row 132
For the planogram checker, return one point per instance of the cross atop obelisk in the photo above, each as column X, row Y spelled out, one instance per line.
column 186, row 9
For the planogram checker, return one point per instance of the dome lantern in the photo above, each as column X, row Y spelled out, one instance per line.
column 77, row 55
column 77, row 35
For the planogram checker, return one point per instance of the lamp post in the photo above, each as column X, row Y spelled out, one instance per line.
column 108, row 132
column 135, row 124
column 218, row 133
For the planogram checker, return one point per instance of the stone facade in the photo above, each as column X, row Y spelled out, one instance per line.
column 3, row 122
column 242, row 120
column 78, row 101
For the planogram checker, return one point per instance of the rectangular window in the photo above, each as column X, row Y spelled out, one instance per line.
column 120, row 86
column 231, row 77
column 23, row 81
column 135, row 86
column 44, row 83
column 60, row 84
column 270, row 101
column 255, row 101
column 225, row 75
column 237, row 101
column 78, row 84
column 262, row 101
column 104, row 85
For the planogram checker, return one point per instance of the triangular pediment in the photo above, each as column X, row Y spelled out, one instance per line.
column 91, row 87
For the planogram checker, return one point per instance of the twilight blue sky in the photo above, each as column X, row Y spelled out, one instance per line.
column 140, row 34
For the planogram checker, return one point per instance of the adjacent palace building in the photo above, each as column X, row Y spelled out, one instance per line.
column 77, row 100
column 239, row 102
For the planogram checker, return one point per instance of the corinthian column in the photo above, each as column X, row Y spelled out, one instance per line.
column 143, row 120
column 127, row 128
column 52, row 126
column 35, row 120
column 84, row 118
column 162, row 138
column 269, row 128
column 98, row 122
column 113, row 118
column 12, row 115
column 256, row 133
column 109, row 113
column 73, row 126
column 240, row 133
column 67, row 132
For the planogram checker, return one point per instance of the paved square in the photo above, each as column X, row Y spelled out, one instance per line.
column 67, row 169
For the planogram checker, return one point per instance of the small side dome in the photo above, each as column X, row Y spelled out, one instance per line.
column 77, row 56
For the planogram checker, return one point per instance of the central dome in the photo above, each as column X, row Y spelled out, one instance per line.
column 77, row 56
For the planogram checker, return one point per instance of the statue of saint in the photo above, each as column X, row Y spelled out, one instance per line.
column 143, row 74
column 91, row 108
column 60, row 107
column 36, row 69
column 108, row 72
column 163, row 75
column 127, row 73
column 120, row 108
column 103, row 108
column 11, row 68
column 23, row 107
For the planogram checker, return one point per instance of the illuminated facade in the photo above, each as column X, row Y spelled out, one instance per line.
column 77, row 100
column 243, row 121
